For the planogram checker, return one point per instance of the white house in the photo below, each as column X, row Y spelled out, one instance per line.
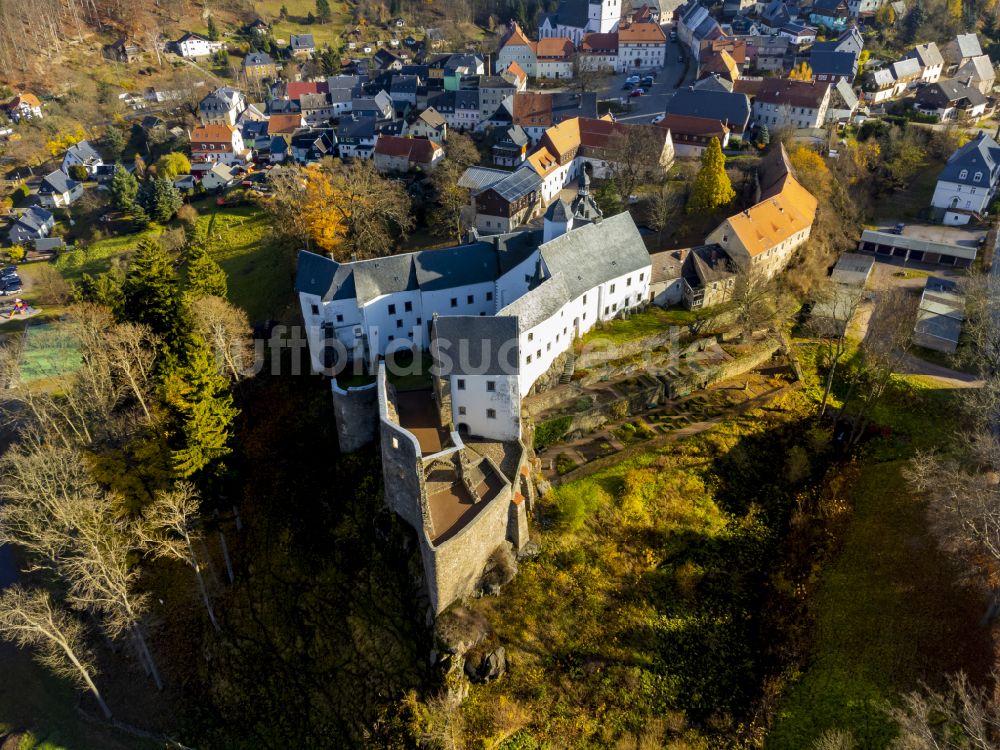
column 930, row 60
column 224, row 105
column 968, row 181
column 789, row 103
column 58, row 190
column 219, row 176
column 218, row 142
column 195, row 45
column 82, row 154
column 640, row 46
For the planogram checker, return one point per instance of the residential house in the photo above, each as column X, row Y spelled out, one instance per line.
column 880, row 85
column 301, row 45
column 789, row 103
column 403, row 91
column 219, row 177
column 537, row 112
column 907, row 73
column 554, row 56
column 575, row 18
column 379, row 106
column 386, row 60
column 428, row 124
column 978, row 73
column 23, row 107
column 930, row 60
column 950, row 99
column 121, row 50
column 720, row 66
column 356, row 137
column 84, row 155
column 313, row 145
column 708, row 277
column 460, row 109
column 730, row 109
column 58, row 190
column 315, row 108
column 798, row 33
column 849, row 40
column 599, row 51
column 494, row 92
column 224, row 105
column 961, row 49
column 691, row 135
column 696, row 25
column 711, row 59
column 517, row 47
column 502, row 200
column 33, row 224
column 844, row 103
column 641, row 46
column 769, row 54
column 396, row 154
column 284, row 125
column 259, row 66
column 186, row 183
column 968, row 181
column 764, row 237
column 510, row 146
column 864, row 9
column 831, row 66
column 195, row 45
column 218, row 142
column 833, row 14
column 515, row 74
column 257, row 29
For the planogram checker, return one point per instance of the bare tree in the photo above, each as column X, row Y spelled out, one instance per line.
column 834, row 306
column 448, row 218
column 586, row 76
column 30, row 619
column 982, row 322
column 635, row 154
column 665, row 207
column 171, row 530
column 754, row 301
column 445, row 725
column 131, row 349
column 963, row 717
column 835, row 739
column 226, row 328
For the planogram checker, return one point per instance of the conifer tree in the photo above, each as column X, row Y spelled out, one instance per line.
column 323, row 10
column 151, row 295
column 712, row 187
column 205, row 277
column 160, row 199
column 124, row 188
column 199, row 399
column 213, row 29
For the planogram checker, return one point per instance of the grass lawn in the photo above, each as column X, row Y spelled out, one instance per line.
column 96, row 257
column 298, row 12
column 647, row 323
column 259, row 274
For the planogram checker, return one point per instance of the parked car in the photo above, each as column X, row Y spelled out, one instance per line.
column 647, row 81
column 658, row 119
column 898, row 229
column 628, row 86
column 8, row 271
column 637, row 92
column 632, row 79
column 10, row 288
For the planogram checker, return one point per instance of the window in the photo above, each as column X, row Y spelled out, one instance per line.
column 392, row 309
column 489, row 296
column 392, row 338
column 628, row 281
column 606, row 309
column 419, row 321
column 963, row 174
column 585, row 299
column 461, row 411
column 977, row 177
column 612, row 288
column 491, row 385
column 340, row 318
column 460, row 384
column 470, row 299
column 642, row 276
column 548, row 346
column 408, row 307
column 531, row 337
column 315, row 309
column 399, row 323
column 491, row 413
column 527, row 359
column 395, row 442
column 454, row 301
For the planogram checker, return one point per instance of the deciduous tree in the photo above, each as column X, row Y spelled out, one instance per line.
column 712, row 187
column 447, row 218
column 226, row 329
column 170, row 165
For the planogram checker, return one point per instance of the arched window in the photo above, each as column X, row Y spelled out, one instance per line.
column 964, row 174
column 977, row 177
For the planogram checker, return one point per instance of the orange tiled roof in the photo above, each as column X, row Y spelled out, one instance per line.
column 737, row 48
column 776, row 218
column 595, row 41
column 589, row 133
column 517, row 37
column 517, row 71
column 691, row 125
column 543, row 161
column 641, row 32
column 532, row 109
column 555, row 47
column 213, row 133
column 26, row 98
column 280, row 124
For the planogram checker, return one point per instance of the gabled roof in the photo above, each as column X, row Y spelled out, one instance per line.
column 573, row 13
column 979, row 68
column 190, row 36
column 360, row 127
column 516, row 184
column 224, row 97
column 57, row 182
column 256, row 59
column 595, row 42
column 515, row 71
column 418, row 150
column 84, row 152
column 846, row 93
column 731, row 109
column 554, row 48
column 968, row 45
column 831, row 63
column 981, row 154
column 906, row 68
column 682, row 126
column 516, row 37
column 944, row 93
column 792, row 92
column 301, row 42
column 401, row 84
column 515, row 134
column 282, row 124
column 480, row 178
column 296, row 89
column 35, row 218
column 641, row 33
column 927, row 54
column 216, row 132
column 432, row 118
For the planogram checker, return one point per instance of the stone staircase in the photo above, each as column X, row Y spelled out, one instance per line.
column 568, row 368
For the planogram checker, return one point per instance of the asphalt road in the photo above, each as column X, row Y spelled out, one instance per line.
column 654, row 102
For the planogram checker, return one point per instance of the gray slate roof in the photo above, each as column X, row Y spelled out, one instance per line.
column 968, row 45
column 979, row 68
column 927, row 54
column 57, row 182
column 301, row 42
column 573, row 13
column 84, row 152
column 824, row 62
column 35, row 218
column 981, row 154
column 257, row 58
column 475, row 345
column 726, row 107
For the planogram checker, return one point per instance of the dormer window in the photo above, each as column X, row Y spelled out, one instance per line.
column 977, row 177
column 964, row 174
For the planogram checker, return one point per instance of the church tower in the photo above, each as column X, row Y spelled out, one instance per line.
column 604, row 15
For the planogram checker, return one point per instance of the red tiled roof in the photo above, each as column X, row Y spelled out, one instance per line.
column 282, row 124
column 298, row 88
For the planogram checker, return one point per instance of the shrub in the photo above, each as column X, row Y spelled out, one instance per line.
column 21, row 191
column 550, row 431
column 16, row 253
column 78, row 172
column 564, row 464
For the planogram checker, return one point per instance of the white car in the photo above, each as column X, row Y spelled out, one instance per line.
column 632, row 79
column 658, row 119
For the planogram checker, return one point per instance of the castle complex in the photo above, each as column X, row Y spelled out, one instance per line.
column 494, row 314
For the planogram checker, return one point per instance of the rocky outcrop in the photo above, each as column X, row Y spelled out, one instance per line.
column 490, row 666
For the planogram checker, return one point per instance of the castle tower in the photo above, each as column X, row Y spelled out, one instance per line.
column 558, row 220
column 585, row 209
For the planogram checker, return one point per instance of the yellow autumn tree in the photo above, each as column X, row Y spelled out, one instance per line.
column 327, row 227
column 811, row 170
column 64, row 140
column 801, row 72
